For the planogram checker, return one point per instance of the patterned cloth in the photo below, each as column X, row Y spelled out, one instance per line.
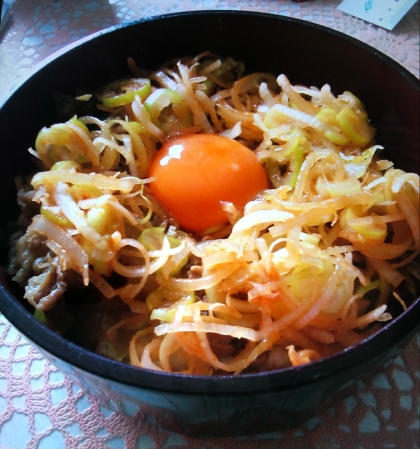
column 42, row 408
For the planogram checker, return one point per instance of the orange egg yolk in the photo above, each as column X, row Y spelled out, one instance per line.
column 197, row 173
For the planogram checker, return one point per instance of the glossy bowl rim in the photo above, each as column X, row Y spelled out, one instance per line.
column 266, row 381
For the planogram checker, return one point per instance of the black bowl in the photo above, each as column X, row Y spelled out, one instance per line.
column 308, row 54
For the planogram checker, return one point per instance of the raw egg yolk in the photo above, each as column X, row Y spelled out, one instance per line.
column 197, row 173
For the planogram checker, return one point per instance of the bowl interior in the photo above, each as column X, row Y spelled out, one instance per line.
column 308, row 54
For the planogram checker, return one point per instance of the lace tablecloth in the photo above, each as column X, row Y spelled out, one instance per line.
column 42, row 408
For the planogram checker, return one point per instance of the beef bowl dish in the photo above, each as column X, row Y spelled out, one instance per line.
column 223, row 230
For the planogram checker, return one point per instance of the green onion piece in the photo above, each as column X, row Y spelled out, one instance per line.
column 99, row 218
column 152, row 238
column 337, row 138
column 123, row 92
column 163, row 98
column 136, row 127
column 339, row 189
column 226, row 65
column 209, row 84
column 371, row 231
column 78, row 123
column 59, row 143
column 66, row 165
column 85, row 191
column 57, row 219
column 367, row 288
column 40, row 316
column 327, row 115
column 154, row 300
column 354, row 126
column 168, row 313
column 296, row 163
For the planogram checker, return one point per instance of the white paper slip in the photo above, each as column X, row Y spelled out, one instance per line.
column 384, row 13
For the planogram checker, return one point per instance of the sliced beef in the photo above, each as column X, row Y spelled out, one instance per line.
column 43, row 290
column 28, row 207
column 36, row 268
column 25, row 255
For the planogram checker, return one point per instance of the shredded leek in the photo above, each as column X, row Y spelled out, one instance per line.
column 314, row 258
